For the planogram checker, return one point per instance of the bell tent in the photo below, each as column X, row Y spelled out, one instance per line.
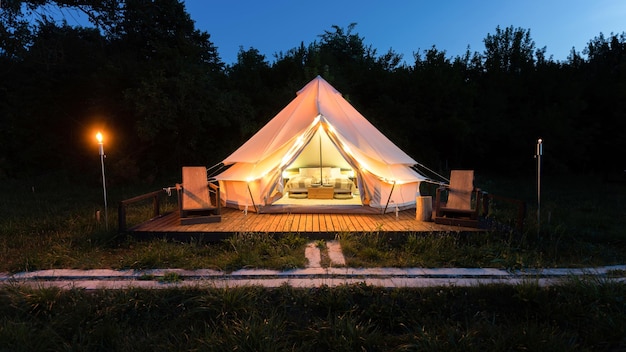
column 319, row 154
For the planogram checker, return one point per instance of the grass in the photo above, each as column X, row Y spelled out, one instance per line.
column 324, row 257
column 170, row 277
column 581, row 315
column 53, row 225
column 490, row 249
column 583, row 206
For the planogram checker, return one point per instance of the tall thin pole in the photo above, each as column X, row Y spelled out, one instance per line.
column 104, row 183
column 539, row 154
column 319, row 133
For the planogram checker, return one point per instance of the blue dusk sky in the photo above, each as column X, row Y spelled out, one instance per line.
column 406, row 26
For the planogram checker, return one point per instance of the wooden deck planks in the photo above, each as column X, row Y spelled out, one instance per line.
column 323, row 222
column 276, row 223
column 235, row 221
column 356, row 223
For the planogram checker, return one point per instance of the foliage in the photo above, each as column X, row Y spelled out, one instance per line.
column 576, row 315
column 582, row 226
column 509, row 50
column 144, row 74
column 485, row 250
column 170, row 277
column 53, row 225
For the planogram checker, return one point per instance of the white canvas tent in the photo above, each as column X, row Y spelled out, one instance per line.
column 319, row 128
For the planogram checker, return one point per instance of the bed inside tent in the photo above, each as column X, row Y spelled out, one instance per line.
column 319, row 175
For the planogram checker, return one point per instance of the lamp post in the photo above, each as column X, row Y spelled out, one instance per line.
column 104, row 184
column 538, row 156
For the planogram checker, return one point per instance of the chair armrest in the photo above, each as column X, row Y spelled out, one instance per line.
column 438, row 200
column 179, row 194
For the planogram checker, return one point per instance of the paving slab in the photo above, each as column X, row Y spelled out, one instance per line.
column 392, row 282
column 313, row 255
column 306, row 277
column 335, row 254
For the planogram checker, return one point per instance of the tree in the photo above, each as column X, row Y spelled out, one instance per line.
column 605, row 91
column 344, row 56
column 49, row 90
column 175, row 72
column 510, row 50
column 505, row 98
column 147, row 74
column 159, row 81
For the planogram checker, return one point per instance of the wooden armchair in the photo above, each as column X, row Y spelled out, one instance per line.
column 195, row 201
column 463, row 204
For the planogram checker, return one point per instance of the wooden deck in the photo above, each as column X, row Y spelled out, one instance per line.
column 316, row 226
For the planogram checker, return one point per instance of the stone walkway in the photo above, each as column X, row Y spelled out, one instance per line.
column 313, row 275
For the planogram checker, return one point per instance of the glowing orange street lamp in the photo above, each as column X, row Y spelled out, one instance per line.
column 104, row 184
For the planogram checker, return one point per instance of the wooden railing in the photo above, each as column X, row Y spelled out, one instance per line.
column 156, row 207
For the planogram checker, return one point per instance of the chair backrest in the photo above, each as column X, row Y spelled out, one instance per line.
column 195, row 188
column 461, row 187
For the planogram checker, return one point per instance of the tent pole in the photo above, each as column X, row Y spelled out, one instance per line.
column 388, row 199
column 252, row 198
column 320, row 139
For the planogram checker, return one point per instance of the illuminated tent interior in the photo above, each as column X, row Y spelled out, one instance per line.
column 319, row 154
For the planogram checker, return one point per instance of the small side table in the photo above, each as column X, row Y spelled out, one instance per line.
column 320, row 192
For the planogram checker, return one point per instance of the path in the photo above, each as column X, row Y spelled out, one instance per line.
column 313, row 275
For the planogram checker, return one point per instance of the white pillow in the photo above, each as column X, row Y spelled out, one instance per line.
column 310, row 172
column 326, row 172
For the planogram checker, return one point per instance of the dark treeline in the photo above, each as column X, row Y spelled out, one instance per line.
column 143, row 74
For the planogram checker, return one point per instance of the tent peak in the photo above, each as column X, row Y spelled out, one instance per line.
column 317, row 102
column 318, row 84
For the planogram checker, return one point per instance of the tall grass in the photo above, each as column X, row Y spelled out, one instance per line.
column 584, row 206
column 54, row 227
column 489, row 249
column 45, row 227
column 582, row 314
column 582, row 224
column 50, row 224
